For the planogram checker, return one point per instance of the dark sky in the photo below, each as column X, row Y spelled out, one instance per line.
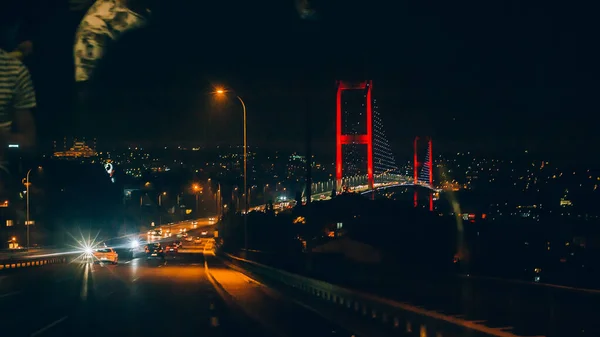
column 492, row 76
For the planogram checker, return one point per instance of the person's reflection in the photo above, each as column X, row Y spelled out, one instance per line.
column 102, row 25
column 17, row 99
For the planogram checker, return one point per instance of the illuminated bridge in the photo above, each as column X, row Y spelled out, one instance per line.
column 364, row 158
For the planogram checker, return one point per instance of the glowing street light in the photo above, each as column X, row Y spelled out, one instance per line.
column 197, row 189
column 223, row 92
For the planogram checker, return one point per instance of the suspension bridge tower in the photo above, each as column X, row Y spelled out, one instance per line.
column 352, row 129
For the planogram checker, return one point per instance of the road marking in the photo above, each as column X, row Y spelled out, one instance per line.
column 49, row 326
column 135, row 279
column 12, row 293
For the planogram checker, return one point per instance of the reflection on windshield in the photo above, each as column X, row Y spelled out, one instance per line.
column 427, row 155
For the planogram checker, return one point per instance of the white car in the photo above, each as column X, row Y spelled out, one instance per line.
column 106, row 255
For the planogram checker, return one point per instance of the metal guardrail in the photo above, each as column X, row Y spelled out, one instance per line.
column 399, row 318
column 24, row 262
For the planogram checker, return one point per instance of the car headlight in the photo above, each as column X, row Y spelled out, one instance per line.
column 134, row 244
column 88, row 250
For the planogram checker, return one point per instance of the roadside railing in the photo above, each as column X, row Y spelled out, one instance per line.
column 34, row 261
column 395, row 317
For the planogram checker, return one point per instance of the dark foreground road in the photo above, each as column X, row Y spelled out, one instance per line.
column 523, row 308
column 135, row 298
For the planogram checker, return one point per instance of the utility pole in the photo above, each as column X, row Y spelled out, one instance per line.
column 308, row 155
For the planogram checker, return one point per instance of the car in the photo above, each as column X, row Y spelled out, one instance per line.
column 155, row 234
column 106, row 254
column 172, row 248
column 189, row 239
column 197, row 239
column 204, row 233
column 155, row 251
column 211, row 219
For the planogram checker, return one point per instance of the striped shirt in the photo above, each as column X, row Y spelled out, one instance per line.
column 104, row 22
column 16, row 89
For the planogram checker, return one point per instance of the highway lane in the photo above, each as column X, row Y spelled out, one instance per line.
column 187, row 225
column 192, row 226
column 190, row 295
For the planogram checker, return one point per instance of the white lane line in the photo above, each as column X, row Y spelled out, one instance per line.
column 49, row 326
column 12, row 293
column 135, row 279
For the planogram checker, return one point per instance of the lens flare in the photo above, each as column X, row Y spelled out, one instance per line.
column 86, row 245
column 134, row 244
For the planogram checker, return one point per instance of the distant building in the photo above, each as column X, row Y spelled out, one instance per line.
column 296, row 167
column 79, row 150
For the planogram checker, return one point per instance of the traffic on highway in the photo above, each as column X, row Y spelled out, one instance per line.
column 170, row 285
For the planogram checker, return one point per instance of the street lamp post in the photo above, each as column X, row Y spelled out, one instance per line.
column 245, row 193
column 27, row 223
column 218, row 201
column 197, row 189
column 160, row 207
column 27, row 217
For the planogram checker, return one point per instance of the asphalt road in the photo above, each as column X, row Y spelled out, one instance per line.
column 194, row 294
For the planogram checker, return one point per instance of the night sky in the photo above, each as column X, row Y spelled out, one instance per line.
column 487, row 76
